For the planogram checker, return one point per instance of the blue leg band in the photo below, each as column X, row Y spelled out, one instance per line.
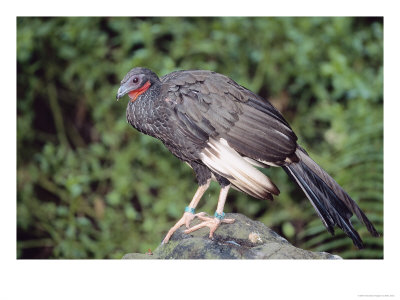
column 219, row 216
column 189, row 209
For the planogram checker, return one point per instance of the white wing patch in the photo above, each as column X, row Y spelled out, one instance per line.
column 255, row 163
column 225, row 161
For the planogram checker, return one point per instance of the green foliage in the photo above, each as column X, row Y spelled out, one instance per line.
column 91, row 187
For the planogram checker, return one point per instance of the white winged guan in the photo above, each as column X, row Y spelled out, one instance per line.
column 224, row 132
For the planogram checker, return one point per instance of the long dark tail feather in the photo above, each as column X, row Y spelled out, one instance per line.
column 333, row 205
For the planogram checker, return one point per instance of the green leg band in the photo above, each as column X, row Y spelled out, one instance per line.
column 189, row 209
column 219, row 216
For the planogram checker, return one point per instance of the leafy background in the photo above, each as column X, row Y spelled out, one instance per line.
column 89, row 186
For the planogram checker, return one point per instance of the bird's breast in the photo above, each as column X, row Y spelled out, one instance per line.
column 150, row 119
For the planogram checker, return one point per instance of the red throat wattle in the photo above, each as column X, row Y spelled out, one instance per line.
column 135, row 93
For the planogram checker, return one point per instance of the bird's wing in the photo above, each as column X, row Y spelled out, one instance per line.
column 212, row 105
column 233, row 128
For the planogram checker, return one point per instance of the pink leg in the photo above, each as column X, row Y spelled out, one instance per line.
column 213, row 223
column 188, row 216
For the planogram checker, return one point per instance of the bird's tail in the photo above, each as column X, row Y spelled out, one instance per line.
column 333, row 205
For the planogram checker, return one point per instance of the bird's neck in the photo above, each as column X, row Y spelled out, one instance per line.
column 145, row 112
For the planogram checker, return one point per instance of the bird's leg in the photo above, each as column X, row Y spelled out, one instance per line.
column 213, row 223
column 188, row 215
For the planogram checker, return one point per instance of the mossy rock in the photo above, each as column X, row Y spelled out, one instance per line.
column 244, row 239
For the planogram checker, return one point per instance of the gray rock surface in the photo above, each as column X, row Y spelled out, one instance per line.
column 244, row 239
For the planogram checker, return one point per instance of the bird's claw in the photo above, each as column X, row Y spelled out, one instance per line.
column 185, row 220
column 212, row 223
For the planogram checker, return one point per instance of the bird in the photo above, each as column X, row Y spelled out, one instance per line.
column 227, row 133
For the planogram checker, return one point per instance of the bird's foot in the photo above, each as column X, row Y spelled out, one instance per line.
column 185, row 220
column 212, row 223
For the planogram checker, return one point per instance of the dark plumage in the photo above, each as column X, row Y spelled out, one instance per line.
column 223, row 130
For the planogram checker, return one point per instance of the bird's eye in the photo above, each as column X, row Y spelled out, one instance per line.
column 135, row 80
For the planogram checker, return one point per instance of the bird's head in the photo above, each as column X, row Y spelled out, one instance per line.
column 136, row 82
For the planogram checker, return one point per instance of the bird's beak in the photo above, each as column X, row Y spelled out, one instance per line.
column 122, row 91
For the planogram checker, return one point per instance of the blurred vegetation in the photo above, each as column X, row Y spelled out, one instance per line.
column 89, row 186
